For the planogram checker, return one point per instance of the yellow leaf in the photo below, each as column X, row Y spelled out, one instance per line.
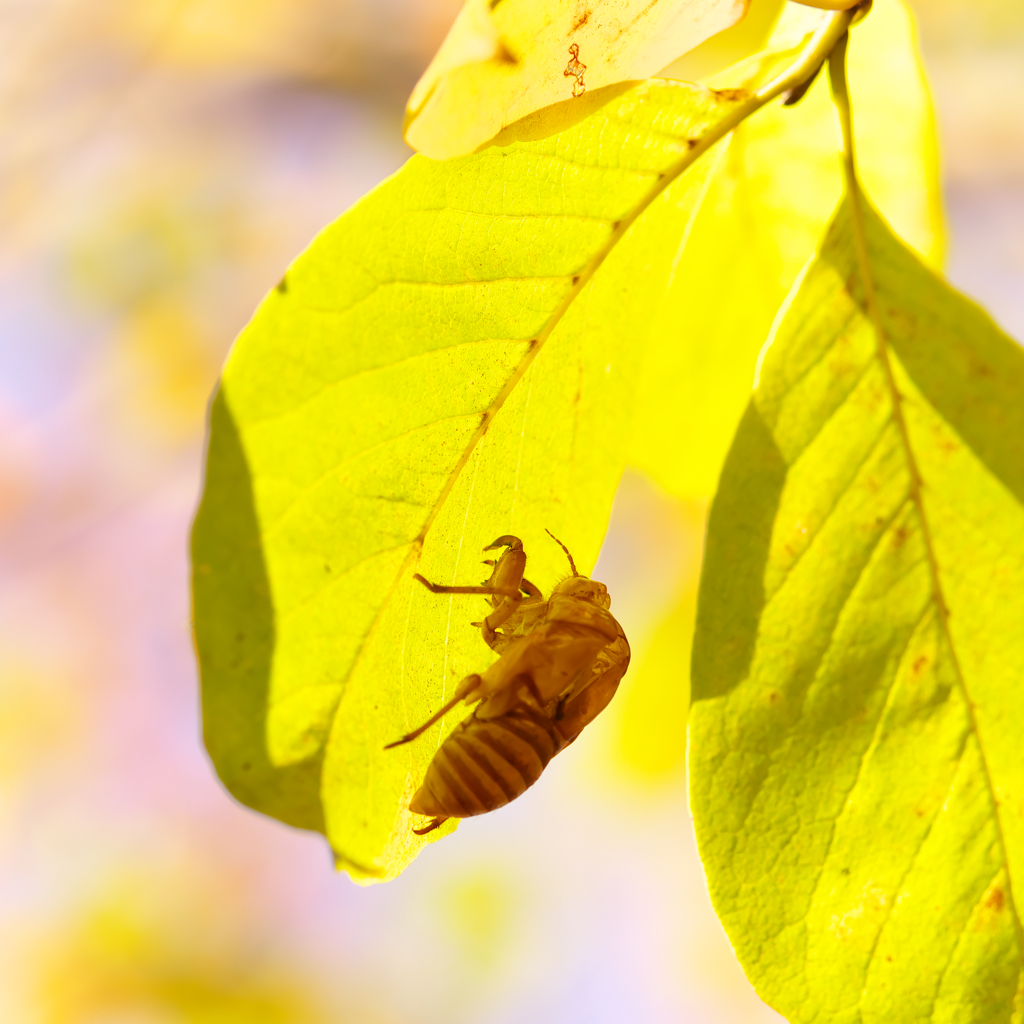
column 505, row 59
column 767, row 203
column 760, row 218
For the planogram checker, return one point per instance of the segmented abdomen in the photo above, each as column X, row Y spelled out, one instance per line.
column 486, row 762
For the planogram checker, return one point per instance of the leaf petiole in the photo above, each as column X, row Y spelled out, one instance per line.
column 806, row 66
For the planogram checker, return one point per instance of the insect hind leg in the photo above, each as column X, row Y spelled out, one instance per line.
column 435, row 823
column 467, row 684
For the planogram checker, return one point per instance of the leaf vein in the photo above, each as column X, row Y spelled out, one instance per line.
column 515, row 216
column 278, row 523
column 883, row 924
column 956, row 946
column 335, row 579
column 412, row 282
column 842, row 493
column 817, row 668
column 365, row 371
column 870, row 301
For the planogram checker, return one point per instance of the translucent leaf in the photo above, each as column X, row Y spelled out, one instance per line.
column 505, row 59
column 766, row 207
column 748, row 36
column 654, row 707
column 856, row 777
column 453, row 360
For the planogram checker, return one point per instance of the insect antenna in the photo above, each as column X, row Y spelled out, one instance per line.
column 572, row 564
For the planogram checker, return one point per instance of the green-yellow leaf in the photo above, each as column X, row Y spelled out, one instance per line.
column 748, row 36
column 767, row 205
column 654, row 708
column 856, row 773
column 451, row 361
column 505, row 59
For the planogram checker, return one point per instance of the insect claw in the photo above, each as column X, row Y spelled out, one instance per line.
column 436, row 823
column 506, row 541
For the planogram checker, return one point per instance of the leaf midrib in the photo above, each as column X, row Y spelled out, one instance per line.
column 746, row 103
column 916, row 480
column 619, row 229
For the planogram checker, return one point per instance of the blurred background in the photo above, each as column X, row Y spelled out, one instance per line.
column 161, row 161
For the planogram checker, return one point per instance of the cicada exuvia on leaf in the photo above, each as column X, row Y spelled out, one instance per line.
column 561, row 660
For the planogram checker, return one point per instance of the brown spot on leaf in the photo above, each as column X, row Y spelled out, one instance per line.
column 919, row 664
column 576, row 69
column 899, row 538
column 772, row 697
column 582, row 19
column 575, row 278
column 981, row 369
column 692, row 143
column 730, row 95
column 901, row 322
column 995, row 899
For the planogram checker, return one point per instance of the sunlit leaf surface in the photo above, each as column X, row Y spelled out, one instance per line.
column 452, row 361
column 856, row 774
column 505, row 59
column 766, row 207
column 769, row 198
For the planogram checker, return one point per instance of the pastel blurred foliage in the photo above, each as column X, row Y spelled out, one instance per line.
column 162, row 161
column 126, row 959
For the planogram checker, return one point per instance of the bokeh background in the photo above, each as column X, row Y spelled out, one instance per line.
column 161, row 161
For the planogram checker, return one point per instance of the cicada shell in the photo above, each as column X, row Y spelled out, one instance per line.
column 561, row 662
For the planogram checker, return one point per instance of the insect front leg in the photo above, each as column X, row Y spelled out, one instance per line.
column 511, row 599
column 505, row 611
column 439, row 588
column 435, row 823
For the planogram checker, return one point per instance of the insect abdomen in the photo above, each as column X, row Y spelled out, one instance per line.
column 487, row 762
